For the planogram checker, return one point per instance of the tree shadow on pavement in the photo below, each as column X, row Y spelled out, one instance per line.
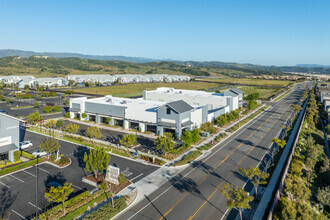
column 6, row 200
column 205, row 168
column 57, row 178
column 79, row 155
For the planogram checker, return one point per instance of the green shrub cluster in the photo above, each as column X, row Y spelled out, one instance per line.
column 121, row 178
column 48, row 94
column 24, row 96
column 208, row 127
column 64, row 160
column 107, row 211
column 17, row 167
column 188, row 158
column 27, row 155
column 17, row 155
column 224, row 119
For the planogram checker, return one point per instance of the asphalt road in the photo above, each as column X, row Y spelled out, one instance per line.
column 18, row 190
column 195, row 192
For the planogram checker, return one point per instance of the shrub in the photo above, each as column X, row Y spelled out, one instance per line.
column 188, row 158
column 83, row 115
column 36, row 105
column 1, row 98
column 48, row 94
column 67, row 114
column 59, row 123
column 57, row 108
column 69, row 92
column 208, row 127
column 38, row 97
column 17, row 155
column 107, row 211
column 17, row 167
column 47, row 109
column 121, row 178
column 27, row 155
column 64, row 160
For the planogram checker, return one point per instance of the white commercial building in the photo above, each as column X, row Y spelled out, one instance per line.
column 161, row 110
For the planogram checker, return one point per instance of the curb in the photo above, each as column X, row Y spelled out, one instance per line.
column 58, row 165
column 129, row 206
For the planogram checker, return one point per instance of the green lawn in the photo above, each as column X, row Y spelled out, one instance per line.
column 261, row 82
column 137, row 89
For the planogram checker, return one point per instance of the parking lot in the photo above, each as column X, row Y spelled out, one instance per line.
column 18, row 190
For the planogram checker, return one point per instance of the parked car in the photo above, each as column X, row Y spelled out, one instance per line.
column 25, row 144
column 39, row 153
column 52, row 184
column 3, row 111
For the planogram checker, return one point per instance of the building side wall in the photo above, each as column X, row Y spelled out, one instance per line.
column 105, row 109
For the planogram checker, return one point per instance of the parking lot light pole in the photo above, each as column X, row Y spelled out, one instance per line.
column 37, row 187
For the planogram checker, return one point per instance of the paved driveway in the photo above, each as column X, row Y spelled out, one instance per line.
column 18, row 190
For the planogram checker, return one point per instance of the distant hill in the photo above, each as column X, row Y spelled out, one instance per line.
column 121, row 64
column 22, row 53
column 313, row 65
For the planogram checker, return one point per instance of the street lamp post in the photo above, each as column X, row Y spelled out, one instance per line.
column 37, row 187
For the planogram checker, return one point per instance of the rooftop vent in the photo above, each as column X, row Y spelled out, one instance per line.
column 124, row 102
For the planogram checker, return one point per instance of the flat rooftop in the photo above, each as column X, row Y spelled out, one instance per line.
column 197, row 93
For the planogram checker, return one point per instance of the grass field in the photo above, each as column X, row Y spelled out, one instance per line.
column 137, row 89
column 261, row 82
column 264, row 92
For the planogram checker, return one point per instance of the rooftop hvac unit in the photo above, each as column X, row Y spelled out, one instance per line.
column 180, row 92
column 124, row 102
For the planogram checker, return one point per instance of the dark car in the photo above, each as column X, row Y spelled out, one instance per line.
column 3, row 111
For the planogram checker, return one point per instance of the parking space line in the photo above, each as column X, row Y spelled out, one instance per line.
column 35, row 206
column 29, row 173
column 17, row 178
column 18, row 214
column 4, row 185
column 77, row 187
column 136, row 177
column 43, row 170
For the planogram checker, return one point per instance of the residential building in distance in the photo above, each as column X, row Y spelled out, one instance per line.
column 46, row 82
column 10, row 134
column 158, row 111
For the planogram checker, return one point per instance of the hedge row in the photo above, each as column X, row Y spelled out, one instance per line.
column 18, row 167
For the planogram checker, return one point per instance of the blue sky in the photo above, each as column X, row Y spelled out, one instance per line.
column 270, row 32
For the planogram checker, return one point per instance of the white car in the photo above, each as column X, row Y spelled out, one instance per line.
column 25, row 144
column 39, row 153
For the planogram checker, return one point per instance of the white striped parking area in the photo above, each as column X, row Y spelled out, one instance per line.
column 18, row 214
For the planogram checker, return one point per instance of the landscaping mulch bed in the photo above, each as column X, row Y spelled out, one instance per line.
column 56, row 163
column 114, row 188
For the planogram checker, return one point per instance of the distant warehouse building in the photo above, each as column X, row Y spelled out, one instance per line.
column 159, row 111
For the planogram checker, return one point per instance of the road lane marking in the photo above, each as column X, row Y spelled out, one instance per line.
column 77, row 187
column 224, row 160
column 43, row 170
column 29, row 173
column 220, row 184
column 136, row 177
column 17, row 178
column 5, row 185
column 18, row 214
column 35, row 206
column 235, row 136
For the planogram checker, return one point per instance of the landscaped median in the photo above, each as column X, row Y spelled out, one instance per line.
column 21, row 107
column 188, row 158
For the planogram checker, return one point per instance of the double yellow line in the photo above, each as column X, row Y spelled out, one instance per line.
column 224, row 160
column 216, row 189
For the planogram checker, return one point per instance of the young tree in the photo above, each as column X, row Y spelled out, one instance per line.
column 279, row 142
column 237, row 198
column 165, row 142
column 59, row 194
column 187, row 138
column 195, row 135
column 84, row 115
column 47, row 109
column 128, row 140
column 71, row 128
column 256, row 176
column 96, row 161
column 93, row 132
column 296, row 188
column 33, row 118
column 295, row 108
column 50, row 124
column 36, row 105
column 50, row 145
column 57, row 108
column 323, row 196
column 59, row 123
